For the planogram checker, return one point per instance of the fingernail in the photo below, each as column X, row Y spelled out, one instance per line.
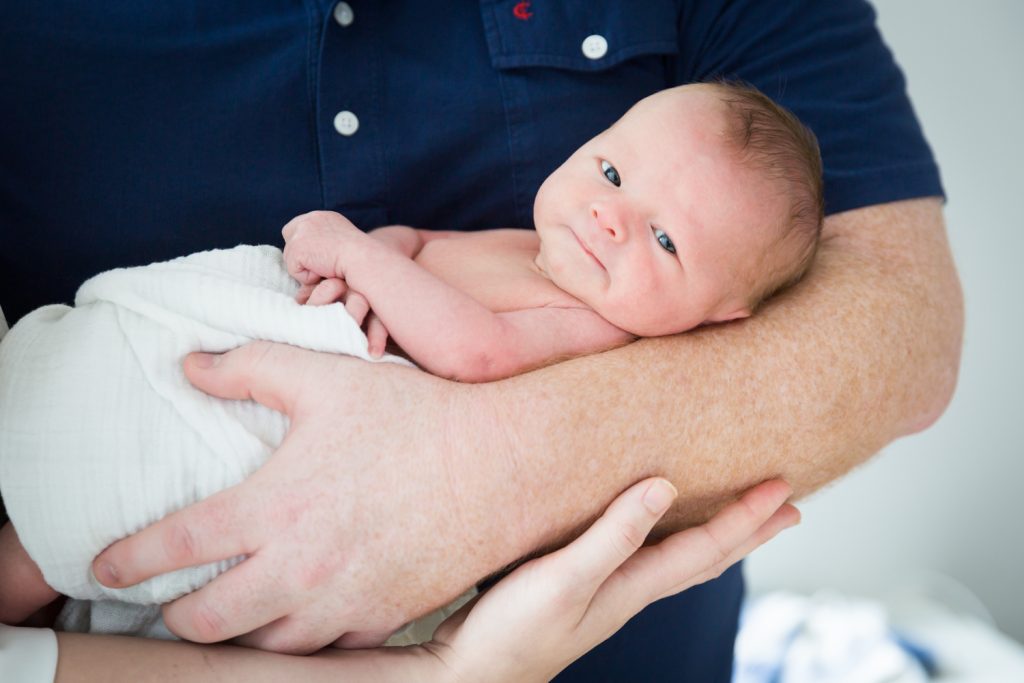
column 106, row 574
column 659, row 496
column 205, row 360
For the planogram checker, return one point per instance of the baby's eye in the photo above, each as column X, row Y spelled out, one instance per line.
column 610, row 173
column 664, row 240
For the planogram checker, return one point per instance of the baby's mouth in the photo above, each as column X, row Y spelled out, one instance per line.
column 586, row 250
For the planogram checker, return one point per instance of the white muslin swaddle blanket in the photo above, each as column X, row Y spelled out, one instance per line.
column 101, row 434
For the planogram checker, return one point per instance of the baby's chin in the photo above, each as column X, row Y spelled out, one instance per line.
column 654, row 326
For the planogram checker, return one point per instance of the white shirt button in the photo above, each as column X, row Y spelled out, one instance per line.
column 595, row 47
column 346, row 123
column 343, row 14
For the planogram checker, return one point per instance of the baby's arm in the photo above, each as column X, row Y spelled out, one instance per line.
column 23, row 591
column 409, row 241
column 403, row 239
column 442, row 328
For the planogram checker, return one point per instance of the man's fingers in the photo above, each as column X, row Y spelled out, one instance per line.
column 616, row 535
column 238, row 601
column 260, row 371
column 208, row 531
column 362, row 640
column 292, row 634
column 327, row 292
column 296, row 634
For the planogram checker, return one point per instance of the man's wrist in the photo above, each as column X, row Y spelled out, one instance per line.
column 488, row 493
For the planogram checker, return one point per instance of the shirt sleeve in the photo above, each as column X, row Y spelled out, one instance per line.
column 27, row 655
column 826, row 62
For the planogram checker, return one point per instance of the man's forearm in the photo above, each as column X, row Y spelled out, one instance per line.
column 864, row 350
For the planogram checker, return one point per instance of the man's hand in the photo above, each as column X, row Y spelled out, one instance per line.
column 530, row 625
column 358, row 520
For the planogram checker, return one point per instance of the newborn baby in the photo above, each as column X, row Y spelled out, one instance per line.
column 693, row 208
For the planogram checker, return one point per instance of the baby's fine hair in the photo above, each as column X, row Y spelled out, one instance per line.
column 771, row 140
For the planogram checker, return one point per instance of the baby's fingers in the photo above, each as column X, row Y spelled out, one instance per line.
column 376, row 335
column 327, row 292
column 357, row 306
column 302, row 296
column 296, row 265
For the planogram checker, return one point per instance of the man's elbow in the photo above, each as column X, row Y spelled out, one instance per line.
column 934, row 404
column 939, row 375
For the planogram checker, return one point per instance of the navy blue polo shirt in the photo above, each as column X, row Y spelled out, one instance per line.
column 135, row 132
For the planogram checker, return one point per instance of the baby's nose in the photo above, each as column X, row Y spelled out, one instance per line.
column 610, row 223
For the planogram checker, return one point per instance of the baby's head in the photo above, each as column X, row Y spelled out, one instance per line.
column 694, row 207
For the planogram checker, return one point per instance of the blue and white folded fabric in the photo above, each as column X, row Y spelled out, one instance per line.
column 789, row 638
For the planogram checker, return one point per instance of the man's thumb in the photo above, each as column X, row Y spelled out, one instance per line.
column 261, row 371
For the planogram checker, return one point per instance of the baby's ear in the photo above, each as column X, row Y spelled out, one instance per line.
column 740, row 311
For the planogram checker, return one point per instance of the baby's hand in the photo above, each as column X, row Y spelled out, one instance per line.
column 376, row 335
column 322, row 293
column 315, row 245
column 335, row 289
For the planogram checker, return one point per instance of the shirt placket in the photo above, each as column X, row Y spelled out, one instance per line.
column 349, row 114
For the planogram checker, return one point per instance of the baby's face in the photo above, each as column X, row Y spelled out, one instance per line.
column 652, row 223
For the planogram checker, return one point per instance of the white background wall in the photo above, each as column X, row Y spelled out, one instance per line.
column 948, row 500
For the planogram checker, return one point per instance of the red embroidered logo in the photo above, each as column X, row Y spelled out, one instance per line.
column 522, row 10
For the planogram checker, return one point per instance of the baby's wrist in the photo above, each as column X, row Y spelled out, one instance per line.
column 354, row 251
column 397, row 237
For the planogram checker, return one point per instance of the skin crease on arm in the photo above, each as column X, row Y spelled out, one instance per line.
column 864, row 350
